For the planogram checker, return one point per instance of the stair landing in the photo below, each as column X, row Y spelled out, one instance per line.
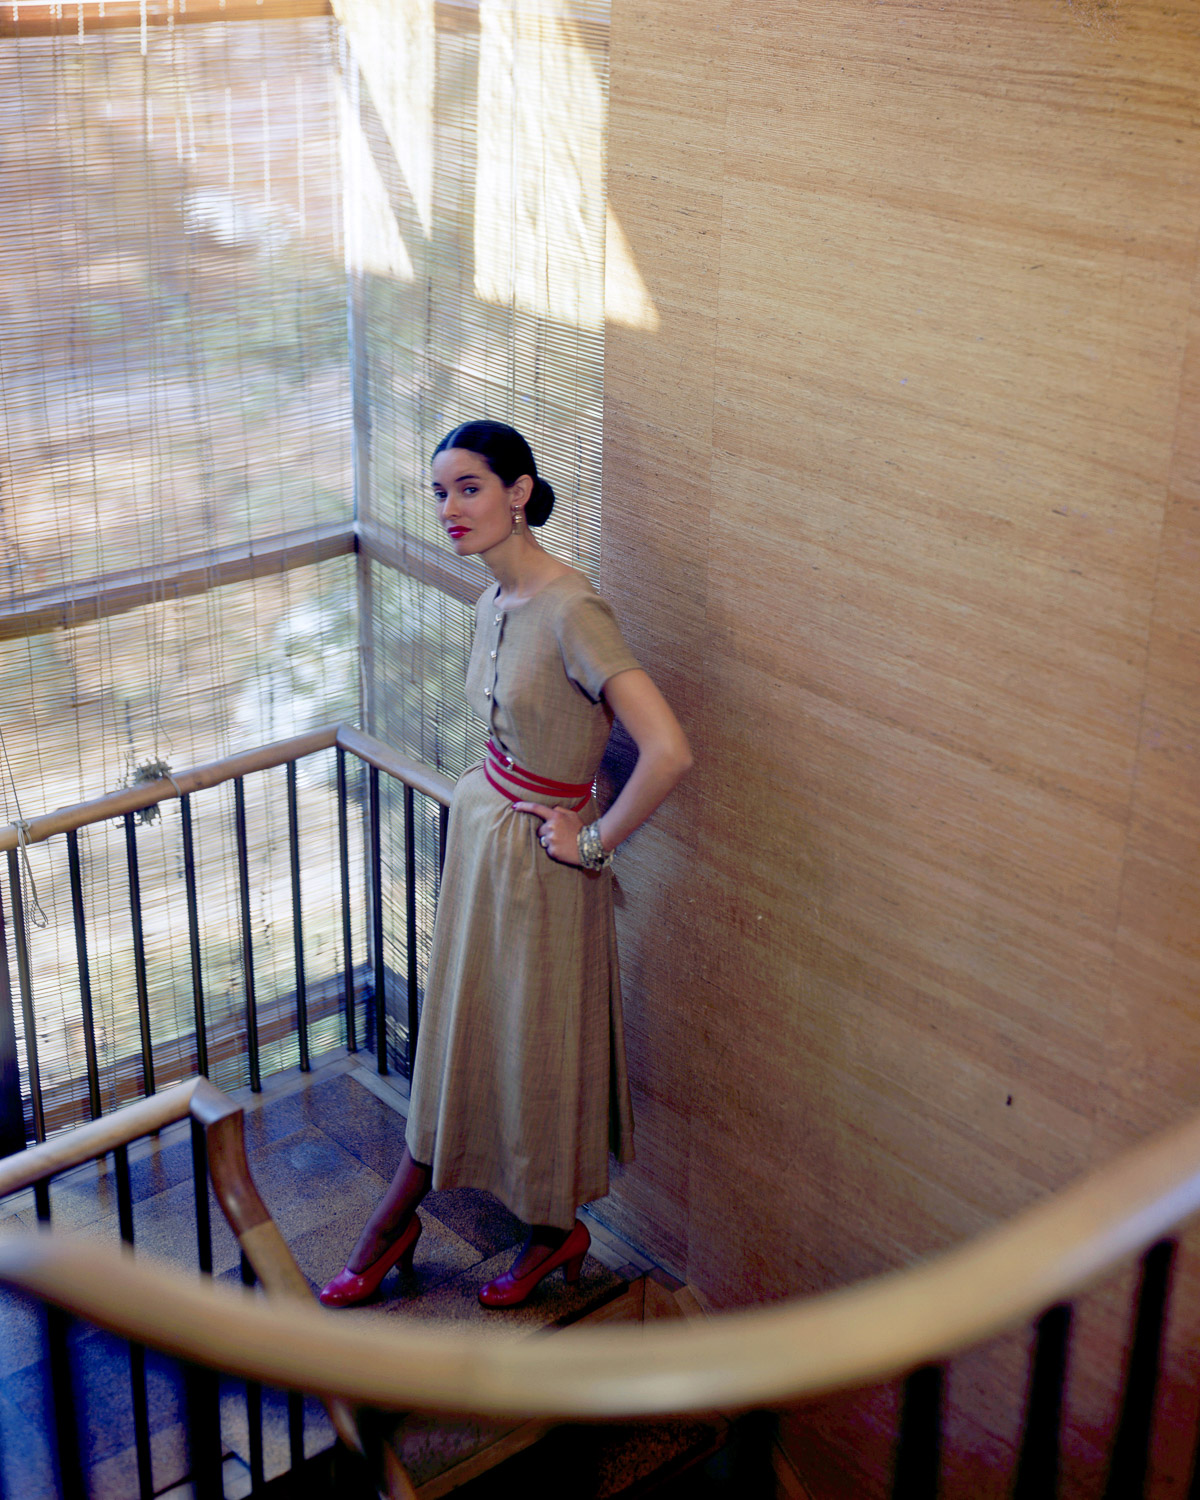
column 322, row 1148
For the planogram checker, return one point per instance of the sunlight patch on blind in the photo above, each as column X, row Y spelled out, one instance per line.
column 373, row 241
column 539, row 201
column 394, row 45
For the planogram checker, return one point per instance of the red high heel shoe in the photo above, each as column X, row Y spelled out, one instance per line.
column 510, row 1291
column 348, row 1288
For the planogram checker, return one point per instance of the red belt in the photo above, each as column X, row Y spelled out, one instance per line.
column 520, row 785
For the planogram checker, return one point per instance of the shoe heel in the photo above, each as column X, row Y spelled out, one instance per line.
column 405, row 1263
column 572, row 1268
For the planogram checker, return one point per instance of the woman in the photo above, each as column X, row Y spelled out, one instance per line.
column 519, row 1082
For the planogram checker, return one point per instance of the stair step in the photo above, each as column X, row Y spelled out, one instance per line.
column 617, row 1462
column 321, row 1152
column 442, row 1455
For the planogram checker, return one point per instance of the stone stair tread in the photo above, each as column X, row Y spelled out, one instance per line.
column 318, row 1154
column 455, row 1301
column 457, row 1450
column 609, row 1462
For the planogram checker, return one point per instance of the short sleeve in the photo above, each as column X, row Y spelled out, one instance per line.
column 593, row 648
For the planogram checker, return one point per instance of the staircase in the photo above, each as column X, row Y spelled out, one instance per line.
column 71, row 1406
column 322, row 1148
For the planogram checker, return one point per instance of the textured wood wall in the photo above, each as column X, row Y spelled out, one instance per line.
column 902, row 508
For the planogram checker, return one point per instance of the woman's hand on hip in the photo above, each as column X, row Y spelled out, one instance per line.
column 559, row 833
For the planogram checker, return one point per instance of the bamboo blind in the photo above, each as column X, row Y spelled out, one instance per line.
column 183, row 211
column 172, row 366
column 174, row 385
column 474, row 162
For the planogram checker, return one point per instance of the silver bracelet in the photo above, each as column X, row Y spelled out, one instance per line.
column 592, row 853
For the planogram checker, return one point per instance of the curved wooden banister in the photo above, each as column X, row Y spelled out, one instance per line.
column 223, row 1122
column 85, row 1142
column 770, row 1356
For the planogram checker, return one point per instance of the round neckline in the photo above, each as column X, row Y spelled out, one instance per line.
column 524, row 603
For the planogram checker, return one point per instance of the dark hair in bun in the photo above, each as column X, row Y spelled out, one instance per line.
column 508, row 456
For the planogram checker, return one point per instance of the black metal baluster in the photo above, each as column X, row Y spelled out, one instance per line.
column 203, row 1410
column 295, row 1410
column 751, row 1457
column 254, row 1408
column 21, row 942
column 85, row 979
column 443, row 835
column 139, row 953
column 1038, row 1463
column 1130, row 1459
column 137, row 1352
column 202, row 1400
column 124, row 1193
column 62, row 1398
column 410, row 919
column 193, row 911
column 67, row 1457
column 239, row 802
column 12, row 1112
column 377, row 923
column 200, row 1192
column 918, row 1452
column 1193, row 1492
column 297, row 929
column 347, row 933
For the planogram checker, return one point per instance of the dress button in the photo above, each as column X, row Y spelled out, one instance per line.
column 493, row 656
column 499, row 618
column 487, row 692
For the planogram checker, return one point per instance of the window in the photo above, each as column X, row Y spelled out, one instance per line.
column 253, row 270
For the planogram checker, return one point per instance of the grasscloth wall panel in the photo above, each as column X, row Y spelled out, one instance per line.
column 1155, row 1039
column 902, row 506
column 658, row 430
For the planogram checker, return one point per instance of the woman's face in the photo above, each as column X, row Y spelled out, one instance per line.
column 474, row 504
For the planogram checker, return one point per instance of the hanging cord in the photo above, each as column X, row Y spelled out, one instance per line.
column 33, row 905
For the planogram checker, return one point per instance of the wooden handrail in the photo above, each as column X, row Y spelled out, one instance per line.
column 767, row 1357
column 222, row 1119
column 147, row 793
column 130, row 799
column 87, row 599
column 461, row 578
column 81, row 601
column 412, row 772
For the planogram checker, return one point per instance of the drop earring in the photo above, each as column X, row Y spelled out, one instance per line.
column 516, row 518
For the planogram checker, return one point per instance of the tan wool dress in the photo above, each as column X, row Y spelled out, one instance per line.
column 519, row 1084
